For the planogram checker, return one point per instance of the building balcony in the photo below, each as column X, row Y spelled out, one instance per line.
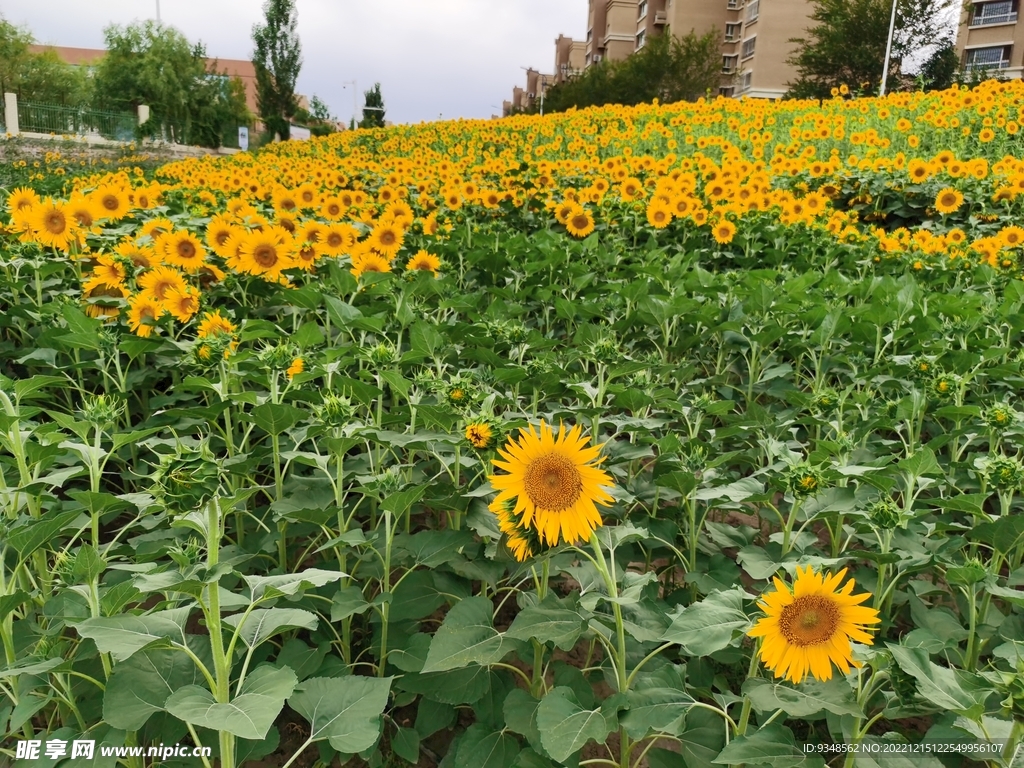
column 991, row 21
column 983, row 66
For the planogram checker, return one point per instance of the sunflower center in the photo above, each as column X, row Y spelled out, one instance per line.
column 387, row 238
column 580, row 222
column 110, row 202
column 334, row 240
column 265, row 256
column 553, row 482
column 55, row 223
column 186, row 250
column 809, row 620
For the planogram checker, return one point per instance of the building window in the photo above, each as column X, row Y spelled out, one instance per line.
column 641, row 38
column 994, row 57
column 748, row 47
column 752, row 10
column 642, row 8
column 590, row 35
column 993, row 13
column 727, row 91
column 729, row 64
column 734, row 4
column 732, row 32
column 746, row 80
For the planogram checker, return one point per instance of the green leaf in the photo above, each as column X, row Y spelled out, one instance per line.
column 275, row 418
column 122, row 636
column 921, row 464
column 565, row 727
column 808, row 698
column 773, row 746
column 30, row 667
column 708, row 626
column 406, row 744
column 399, row 502
column 348, row 602
column 142, row 684
column 344, row 710
column 459, row 686
column 467, row 636
column 342, row 315
column 433, row 716
column 12, row 602
column 88, row 565
column 940, row 685
column 264, row 623
column 558, row 621
column 657, row 703
column 290, row 583
column 28, row 538
column 480, row 747
column 701, row 740
column 249, row 715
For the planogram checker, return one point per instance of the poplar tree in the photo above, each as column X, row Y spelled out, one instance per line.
column 277, row 58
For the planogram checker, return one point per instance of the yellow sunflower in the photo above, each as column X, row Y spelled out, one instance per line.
column 809, row 629
column 182, row 304
column 948, row 200
column 724, row 231
column 386, row 239
column 102, row 299
column 479, row 434
column 113, row 202
column 266, row 253
column 555, row 482
column 53, row 225
column 424, row 262
column 520, row 541
column 110, row 270
column 298, row 366
column 214, row 324
column 143, row 313
column 139, row 255
column 181, row 249
column 659, row 214
column 579, row 223
column 369, row 261
column 21, row 199
column 160, row 281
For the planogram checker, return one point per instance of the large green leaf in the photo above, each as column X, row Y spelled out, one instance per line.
column 275, row 418
column 142, row 684
column 263, row 623
column 565, row 726
column 941, row 686
column 708, row 626
column 344, row 710
column 808, row 698
column 772, row 746
column 122, row 636
column 481, row 747
column 555, row 620
column 658, row 702
column 249, row 715
column 290, row 583
column 467, row 636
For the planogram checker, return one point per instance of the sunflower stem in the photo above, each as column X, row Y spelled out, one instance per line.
column 619, row 657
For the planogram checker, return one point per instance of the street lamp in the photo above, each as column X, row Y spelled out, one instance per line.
column 157, row 11
column 888, row 49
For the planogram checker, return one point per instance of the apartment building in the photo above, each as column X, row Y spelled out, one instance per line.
column 570, row 58
column 755, row 36
column 990, row 39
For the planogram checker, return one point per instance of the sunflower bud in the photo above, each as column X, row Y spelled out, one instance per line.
column 921, row 367
column 825, row 401
column 804, row 480
column 388, row 482
column 970, row 573
column 187, row 478
column 101, row 410
column 1005, row 473
column 1000, row 417
column 277, row 357
column 945, row 385
column 335, row 411
column 885, row 514
column 380, row 355
column 480, row 433
column 694, row 458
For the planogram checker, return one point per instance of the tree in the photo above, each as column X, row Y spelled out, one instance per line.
column 277, row 57
column 148, row 63
column 373, row 109
column 38, row 76
column 666, row 68
column 940, row 71
column 317, row 118
column 847, row 44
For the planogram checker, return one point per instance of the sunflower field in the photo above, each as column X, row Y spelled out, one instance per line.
column 670, row 435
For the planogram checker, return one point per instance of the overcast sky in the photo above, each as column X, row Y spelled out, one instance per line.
column 455, row 58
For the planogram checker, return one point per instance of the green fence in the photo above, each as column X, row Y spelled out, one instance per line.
column 34, row 117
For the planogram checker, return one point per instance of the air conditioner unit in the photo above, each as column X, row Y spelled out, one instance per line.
column 660, row 17
column 529, row 95
column 596, row 58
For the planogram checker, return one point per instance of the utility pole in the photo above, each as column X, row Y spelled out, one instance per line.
column 158, row 11
column 888, row 50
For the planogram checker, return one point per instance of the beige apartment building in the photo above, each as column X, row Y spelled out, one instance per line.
column 570, row 58
column 755, row 36
column 990, row 39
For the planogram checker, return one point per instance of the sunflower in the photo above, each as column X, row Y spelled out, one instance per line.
column 113, row 202
column 369, row 262
column 332, row 208
column 386, row 239
column 948, row 200
column 110, row 270
column 265, row 253
column 160, row 281
column 522, row 542
column 424, row 262
column 579, row 223
column 214, row 324
column 479, row 434
column 53, row 225
column 297, row 366
column 724, row 231
column 555, row 482
column 143, row 312
column 659, row 214
column 139, row 255
column 336, row 239
column 22, row 199
column 218, row 232
column 84, row 211
column 103, row 300
column 181, row 249
column 809, row 629
column 182, row 304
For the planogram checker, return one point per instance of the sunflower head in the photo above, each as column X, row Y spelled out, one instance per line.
column 480, row 433
column 555, row 482
column 809, row 628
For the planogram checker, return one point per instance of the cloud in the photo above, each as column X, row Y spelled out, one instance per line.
column 456, row 58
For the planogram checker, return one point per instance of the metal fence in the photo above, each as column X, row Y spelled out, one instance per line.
column 35, row 117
